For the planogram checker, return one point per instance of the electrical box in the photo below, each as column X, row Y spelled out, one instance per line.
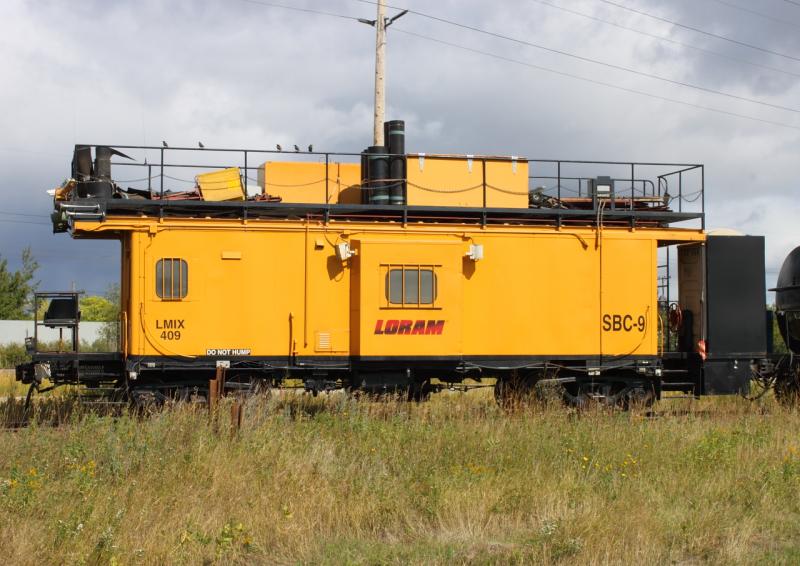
column 602, row 187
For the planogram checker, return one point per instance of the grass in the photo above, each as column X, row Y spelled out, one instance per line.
column 9, row 387
column 333, row 480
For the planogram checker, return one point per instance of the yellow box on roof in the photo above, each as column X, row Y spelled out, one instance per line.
column 346, row 188
column 507, row 183
column 460, row 181
column 222, row 185
column 297, row 182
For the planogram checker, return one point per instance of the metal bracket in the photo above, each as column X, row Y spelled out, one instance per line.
column 83, row 212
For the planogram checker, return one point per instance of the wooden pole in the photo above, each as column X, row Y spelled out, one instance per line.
column 221, row 381
column 236, row 416
column 213, row 395
column 216, row 388
column 380, row 53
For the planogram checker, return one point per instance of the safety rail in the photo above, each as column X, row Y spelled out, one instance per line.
column 636, row 184
column 628, row 182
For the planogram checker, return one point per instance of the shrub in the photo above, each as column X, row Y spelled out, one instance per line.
column 12, row 354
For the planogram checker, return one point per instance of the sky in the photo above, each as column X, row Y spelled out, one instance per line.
column 242, row 73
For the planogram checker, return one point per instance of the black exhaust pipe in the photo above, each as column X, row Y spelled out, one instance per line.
column 377, row 173
column 394, row 136
column 82, row 163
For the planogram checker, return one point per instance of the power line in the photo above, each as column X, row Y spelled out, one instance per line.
column 18, row 150
column 698, row 30
column 9, row 221
column 792, row 2
column 594, row 61
column 24, row 214
column 593, row 81
column 296, row 9
column 756, row 13
column 667, row 39
column 69, row 256
column 597, row 82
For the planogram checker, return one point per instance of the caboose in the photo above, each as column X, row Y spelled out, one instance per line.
column 388, row 271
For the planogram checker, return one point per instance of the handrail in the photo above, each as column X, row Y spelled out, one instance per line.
column 635, row 185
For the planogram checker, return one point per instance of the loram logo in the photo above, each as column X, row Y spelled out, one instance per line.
column 409, row 327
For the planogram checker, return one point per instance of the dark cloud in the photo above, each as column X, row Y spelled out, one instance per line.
column 233, row 73
column 781, row 35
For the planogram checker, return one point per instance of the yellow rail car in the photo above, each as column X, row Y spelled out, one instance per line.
column 476, row 273
column 283, row 289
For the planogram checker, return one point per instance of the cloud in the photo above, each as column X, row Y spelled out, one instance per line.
column 233, row 73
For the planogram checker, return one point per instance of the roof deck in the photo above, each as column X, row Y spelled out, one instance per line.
column 252, row 183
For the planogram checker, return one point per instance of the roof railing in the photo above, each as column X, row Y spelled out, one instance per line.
column 635, row 184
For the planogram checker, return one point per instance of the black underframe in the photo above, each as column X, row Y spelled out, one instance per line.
column 99, row 209
column 681, row 371
column 109, row 367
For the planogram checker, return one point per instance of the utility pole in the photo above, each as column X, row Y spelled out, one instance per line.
column 381, row 22
column 380, row 73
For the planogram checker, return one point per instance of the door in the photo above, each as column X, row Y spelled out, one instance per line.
column 407, row 299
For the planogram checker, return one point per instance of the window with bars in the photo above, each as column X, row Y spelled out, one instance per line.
column 411, row 285
column 172, row 279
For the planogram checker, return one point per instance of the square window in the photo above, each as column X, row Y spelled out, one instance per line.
column 172, row 279
column 411, row 286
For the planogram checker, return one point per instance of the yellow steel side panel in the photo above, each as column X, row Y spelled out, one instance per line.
column 629, row 307
column 444, row 182
column 125, row 291
column 221, row 185
column 533, row 293
column 277, row 288
column 372, row 316
column 135, row 341
column 541, row 294
column 294, row 182
column 305, row 182
column 460, row 182
column 507, row 184
column 272, row 301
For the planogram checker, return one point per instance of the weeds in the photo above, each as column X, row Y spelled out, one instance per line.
column 336, row 480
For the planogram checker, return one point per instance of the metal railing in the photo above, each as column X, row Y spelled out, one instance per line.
column 633, row 185
column 634, row 182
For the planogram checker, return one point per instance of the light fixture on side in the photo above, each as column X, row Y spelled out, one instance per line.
column 475, row 252
column 343, row 251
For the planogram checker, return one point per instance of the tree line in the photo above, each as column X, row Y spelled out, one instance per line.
column 17, row 289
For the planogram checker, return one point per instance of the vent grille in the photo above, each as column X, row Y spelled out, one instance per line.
column 323, row 341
